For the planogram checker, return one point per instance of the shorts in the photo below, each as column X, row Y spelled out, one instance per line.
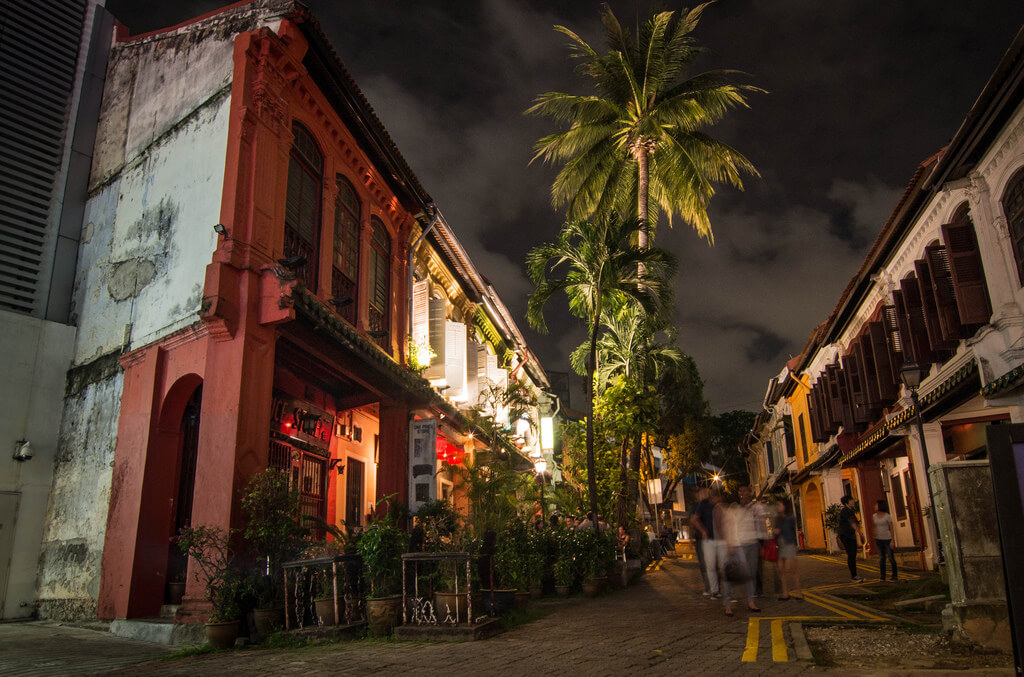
column 787, row 550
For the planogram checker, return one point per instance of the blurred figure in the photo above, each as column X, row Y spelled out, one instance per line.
column 709, row 523
column 849, row 535
column 743, row 548
column 570, row 522
column 785, row 538
column 883, row 538
column 623, row 542
column 700, row 515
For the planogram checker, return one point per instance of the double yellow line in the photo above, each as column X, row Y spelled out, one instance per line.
column 779, row 652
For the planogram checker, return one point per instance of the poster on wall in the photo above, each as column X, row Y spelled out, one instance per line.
column 422, row 462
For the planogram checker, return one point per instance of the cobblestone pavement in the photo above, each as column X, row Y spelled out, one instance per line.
column 41, row 648
column 661, row 625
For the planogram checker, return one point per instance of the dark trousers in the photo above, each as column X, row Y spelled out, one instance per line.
column 850, row 545
column 699, row 546
column 884, row 549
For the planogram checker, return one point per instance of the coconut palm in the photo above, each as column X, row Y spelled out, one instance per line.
column 639, row 141
column 596, row 265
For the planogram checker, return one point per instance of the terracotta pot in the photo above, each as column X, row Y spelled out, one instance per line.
column 222, row 635
column 562, row 590
column 175, row 591
column 383, row 614
column 325, row 610
column 522, row 599
column 536, row 592
column 592, row 587
column 268, row 621
column 449, row 600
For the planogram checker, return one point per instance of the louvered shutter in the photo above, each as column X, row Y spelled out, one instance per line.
column 855, row 386
column 835, row 402
column 925, row 288
column 812, row 410
column 421, row 312
column 967, row 272
column 914, row 313
column 437, row 313
column 868, row 371
column 455, row 359
column 894, row 338
column 473, row 371
column 824, row 415
column 942, row 291
column 886, row 377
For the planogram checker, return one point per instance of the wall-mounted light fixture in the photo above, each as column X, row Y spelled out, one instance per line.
column 22, row 450
column 221, row 229
column 294, row 262
column 339, row 463
column 341, row 301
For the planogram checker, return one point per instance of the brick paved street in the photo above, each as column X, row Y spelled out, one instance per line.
column 661, row 625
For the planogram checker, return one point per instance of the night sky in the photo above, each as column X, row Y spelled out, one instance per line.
column 859, row 94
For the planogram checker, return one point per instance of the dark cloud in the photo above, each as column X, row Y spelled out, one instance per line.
column 859, row 95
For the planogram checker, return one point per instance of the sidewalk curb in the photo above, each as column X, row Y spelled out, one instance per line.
column 800, row 647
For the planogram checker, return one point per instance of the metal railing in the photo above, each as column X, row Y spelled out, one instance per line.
column 420, row 609
column 302, row 578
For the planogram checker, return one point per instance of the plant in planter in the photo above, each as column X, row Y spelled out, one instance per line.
column 271, row 531
column 381, row 548
column 209, row 549
column 565, row 575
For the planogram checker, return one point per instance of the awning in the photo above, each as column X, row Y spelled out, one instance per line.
column 825, row 459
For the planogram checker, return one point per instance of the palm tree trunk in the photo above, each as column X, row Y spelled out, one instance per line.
column 591, row 470
column 643, row 183
column 625, row 485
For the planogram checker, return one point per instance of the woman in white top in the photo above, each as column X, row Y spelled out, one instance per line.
column 883, row 538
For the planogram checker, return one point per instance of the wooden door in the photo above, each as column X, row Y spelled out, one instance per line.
column 354, row 476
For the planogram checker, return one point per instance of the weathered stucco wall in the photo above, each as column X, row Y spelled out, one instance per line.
column 69, row 565
column 36, row 355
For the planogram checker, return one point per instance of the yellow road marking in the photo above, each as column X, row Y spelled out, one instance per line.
column 849, row 608
column 753, row 636
column 779, row 653
column 818, row 601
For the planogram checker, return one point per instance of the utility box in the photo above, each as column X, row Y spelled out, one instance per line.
column 966, row 515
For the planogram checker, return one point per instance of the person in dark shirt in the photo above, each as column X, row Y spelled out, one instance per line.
column 849, row 535
column 702, row 520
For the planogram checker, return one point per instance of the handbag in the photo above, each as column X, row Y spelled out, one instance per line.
column 734, row 572
column 770, row 551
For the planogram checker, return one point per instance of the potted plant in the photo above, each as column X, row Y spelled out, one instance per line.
column 273, row 536
column 381, row 548
column 208, row 547
column 565, row 575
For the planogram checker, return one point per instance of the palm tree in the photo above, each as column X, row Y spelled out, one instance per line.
column 596, row 265
column 627, row 347
column 638, row 141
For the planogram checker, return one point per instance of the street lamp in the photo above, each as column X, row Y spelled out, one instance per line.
column 910, row 374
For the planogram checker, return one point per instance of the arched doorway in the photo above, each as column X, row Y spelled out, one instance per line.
column 177, row 562
column 814, row 530
column 166, row 498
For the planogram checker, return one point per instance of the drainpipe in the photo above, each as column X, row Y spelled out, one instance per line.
column 412, row 253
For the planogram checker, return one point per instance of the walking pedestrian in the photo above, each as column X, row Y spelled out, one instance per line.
column 701, row 507
column 785, row 539
column 704, row 521
column 850, row 536
column 743, row 548
column 763, row 534
column 883, row 538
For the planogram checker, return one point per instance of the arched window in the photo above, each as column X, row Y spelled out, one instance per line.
column 1013, row 208
column 380, row 282
column 345, row 262
column 302, row 207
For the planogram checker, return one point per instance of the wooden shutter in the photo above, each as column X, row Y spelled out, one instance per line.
column 894, row 338
column 812, row 410
column 917, row 334
column 841, row 397
column 824, row 413
column 942, row 291
column 855, row 387
column 421, row 311
column 1013, row 210
column 455, row 359
column 930, row 309
column 835, row 401
column 967, row 272
column 887, row 378
column 868, row 372
column 438, row 311
column 473, row 370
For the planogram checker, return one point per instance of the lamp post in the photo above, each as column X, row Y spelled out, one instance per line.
column 910, row 374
